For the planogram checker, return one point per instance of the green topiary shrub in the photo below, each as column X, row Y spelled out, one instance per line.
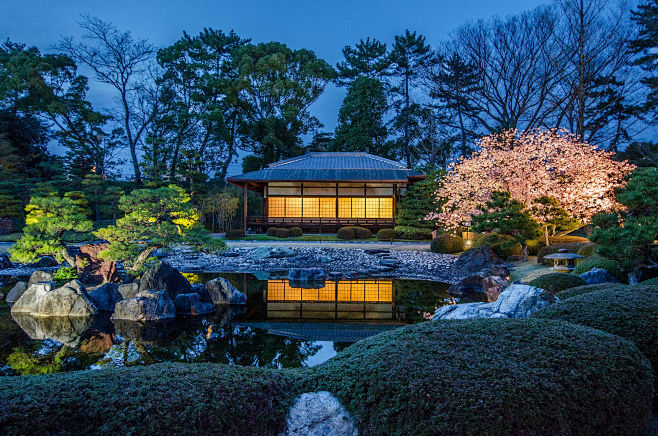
column 234, row 234
column 596, row 261
column 652, row 282
column 630, row 312
column 580, row 290
column 533, row 246
column 556, row 282
column 503, row 245
column 362, row 233
column 571, row 247
column 157, row 399
column 447, row 244
column 278, row 232
column 386, row 234
column 566, row 239
column 346, row 233
column 295, row 232
column 413, row 233
column 588, row 249
column 271, row 231
column 463, row 377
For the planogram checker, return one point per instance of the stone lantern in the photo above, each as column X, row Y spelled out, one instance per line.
column 563, row 260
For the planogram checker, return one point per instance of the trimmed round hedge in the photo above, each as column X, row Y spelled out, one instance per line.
column 168, row 398
column 234, row 234
column 652, row 282
column 278, row 232
column 556, row 282
column 491, row 376
column 580, row 290
column 629, row 312
column 596, row 261
column 413, row 233
column 353, row 232
column 447, row 244
column 503, row 245
column 295, row 231
column 588, row 249
column 385, row 234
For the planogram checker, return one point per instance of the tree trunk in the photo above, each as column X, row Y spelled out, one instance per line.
column 141, row 259
column 546, row 236
column 524, row 251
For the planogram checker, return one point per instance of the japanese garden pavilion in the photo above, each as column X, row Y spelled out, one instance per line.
column 323, row 191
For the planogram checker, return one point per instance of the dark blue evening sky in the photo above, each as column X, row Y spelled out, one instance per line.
column 322, row 26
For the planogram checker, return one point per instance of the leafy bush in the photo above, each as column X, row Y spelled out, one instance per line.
column 533, row 246
column 234, row 234
column 588, row 249
column 652, row 282
column 571, row 247
column 629, row 312
column 556, row 282
column 386, row 234
column 413, row 233
column 296, row 232
column 157, row 399
column 491, row 376
column 503, row 245
column 566, row 239
column 596, row 261
column 278, row 232
column 447, row 244
column 65, row 274
column 580, row 290
column 353, row 232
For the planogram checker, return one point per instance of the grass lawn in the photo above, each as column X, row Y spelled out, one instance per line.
column 527, row 271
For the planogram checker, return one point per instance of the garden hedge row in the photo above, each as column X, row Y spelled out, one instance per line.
column 580, row 290
column 234, row 234
column 494, row 377
column 385, row 234
column 556, row 282
column 413, row 233
column 629, row 312
column 503, row 245
column 278, row 232
column 447, row 244
column 353, row 232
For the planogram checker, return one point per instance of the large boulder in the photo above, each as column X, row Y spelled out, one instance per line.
column 63, row 329
column 128, row 290
column 271, row 252
column 45, row 262
column 16, row 292
column 306, row 277
column 92, row 268
column 597, row 276
column 221, row 291
column 165, row 277
column 41, row 299
column 7, row 226
column 481, row 282
column 477, row 259
column 318, row 414
column 191, row 304
column 516, row 301
column 105, row 296
column 148, row 305
column 39, row 276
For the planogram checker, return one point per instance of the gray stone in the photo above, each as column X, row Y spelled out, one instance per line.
column 63, row 329
column 221, row 291
column 39, row 276
column 105, row 297
column 318, row 414
column 516, row 301
column 45, row 262
column 271, row 252
column 597, row 276
column 148, row 305
column 16, row 292
column 41, row 299
column 477, row 259
column 128, row 290
column 191, row 304
column 5, row 262
column 164, row 277
column 493, row 286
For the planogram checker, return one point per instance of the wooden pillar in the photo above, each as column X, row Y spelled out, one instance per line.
column 395, row 197
column 244, row 215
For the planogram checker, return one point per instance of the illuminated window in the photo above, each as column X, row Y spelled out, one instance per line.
column 293, row 207
column 344, row 208
column 358, row 207
column 385, row 208
column 328, row 207
column 276, row 207
column 372, row 207
column 311, row 207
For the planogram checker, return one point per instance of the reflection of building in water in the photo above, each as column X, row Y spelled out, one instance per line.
column 347, row 299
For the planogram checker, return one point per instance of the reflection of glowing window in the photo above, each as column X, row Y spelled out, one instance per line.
column 311, row 207
column 358, row 207
column 328, row 207
column 345, row 208
column 343, row 291
column 277, row 207
column 293, row 207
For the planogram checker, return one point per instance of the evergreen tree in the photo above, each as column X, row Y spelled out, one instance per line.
column 361, row 118
column 645, row 47
column 367, row 59
column 418, row 202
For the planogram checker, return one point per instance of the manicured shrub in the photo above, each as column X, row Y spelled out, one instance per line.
column 413, row 233
column 588, row 249
column 235, row 234
column 566, row 239
column 447, row 244
column 346, row 233
column 296, row 232
column 596, row 261
column 503, row 245
column 556, row 282
column 571, row 247
column 170, row 398
column 270, row 231
column 630, row 313
column 278, row 232
column 354, row 232
column 386, row 234
column 493, row 377
column 580, row 290
column 533, row 246
column 652, row 282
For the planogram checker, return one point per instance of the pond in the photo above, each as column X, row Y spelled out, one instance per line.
column 281, row 326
